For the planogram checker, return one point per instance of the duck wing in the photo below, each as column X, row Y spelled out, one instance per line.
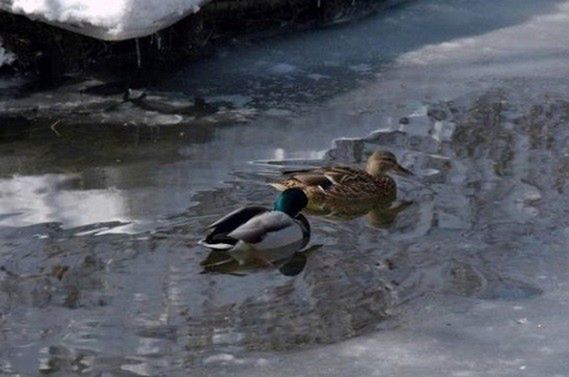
column 344, row 174
column 330, row 176
column 236, row 218
column 313, row 179
column 218, row 237
column 269, row 230
column 323, row 177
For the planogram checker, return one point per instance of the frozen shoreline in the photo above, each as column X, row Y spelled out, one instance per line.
column 66, row 42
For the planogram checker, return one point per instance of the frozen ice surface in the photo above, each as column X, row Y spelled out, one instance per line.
column 484, row 86
column 446, row 335
column 465, row 340
column 105, row 19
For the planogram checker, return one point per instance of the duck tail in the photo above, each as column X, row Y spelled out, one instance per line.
column 215, row 245
column 279, row 186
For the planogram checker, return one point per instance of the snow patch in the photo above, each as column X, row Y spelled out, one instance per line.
column 106, row 19
column 6, row 57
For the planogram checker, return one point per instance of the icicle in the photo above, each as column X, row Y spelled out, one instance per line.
column 159, row 42
column 138, row 56
column 318, row 3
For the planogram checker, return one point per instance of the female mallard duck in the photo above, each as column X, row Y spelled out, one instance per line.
column 344, row 184
column 260, row 234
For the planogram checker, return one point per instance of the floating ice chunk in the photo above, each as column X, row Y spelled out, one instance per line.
column 317, row 76
column 229, row 359
column 219, row 358
column 278, row 112
column 360, row 68
column 237, row 100
column 141, row 369
column 450, row 221
column 165, row 119
column 443, row 131
column 282, row 68
column 262, row 362
column 416, row 124
column 420, row 111
column 226, row 337
column 105, row 19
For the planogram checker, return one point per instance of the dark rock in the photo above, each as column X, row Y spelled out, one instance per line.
column 437, row 114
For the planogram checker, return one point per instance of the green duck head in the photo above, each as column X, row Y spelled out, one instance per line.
column 380, row 162
column 291, row 201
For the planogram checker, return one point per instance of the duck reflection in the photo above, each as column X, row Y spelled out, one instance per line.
column 286, row 263
column 379, row 214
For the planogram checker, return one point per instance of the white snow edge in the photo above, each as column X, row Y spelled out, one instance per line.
column 110, row 20
column 6, row 57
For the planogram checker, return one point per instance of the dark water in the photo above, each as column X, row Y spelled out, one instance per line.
column 100, row 271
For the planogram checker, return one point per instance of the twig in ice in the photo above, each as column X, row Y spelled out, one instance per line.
column 138, row 57
column 55, row 124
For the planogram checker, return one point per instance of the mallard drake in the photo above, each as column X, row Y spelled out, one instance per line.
column 347, row 184
column 260, row 234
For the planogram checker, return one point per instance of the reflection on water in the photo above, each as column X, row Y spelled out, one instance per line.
column 379, row 215
column 291, row 265
column 79, row 175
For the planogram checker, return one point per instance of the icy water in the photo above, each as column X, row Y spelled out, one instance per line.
column 102, row 202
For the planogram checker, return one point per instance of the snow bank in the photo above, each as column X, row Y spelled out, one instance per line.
column 105, row 19
column 6, row 57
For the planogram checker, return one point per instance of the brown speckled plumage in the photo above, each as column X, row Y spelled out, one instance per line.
column 346, row 184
